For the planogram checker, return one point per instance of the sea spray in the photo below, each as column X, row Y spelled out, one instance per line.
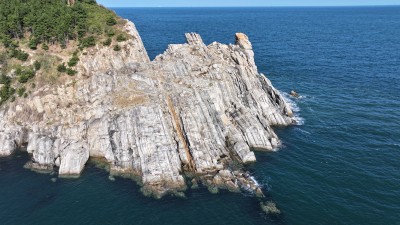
column 295, row 108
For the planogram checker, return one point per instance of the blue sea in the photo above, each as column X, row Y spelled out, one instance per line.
column 342, row 166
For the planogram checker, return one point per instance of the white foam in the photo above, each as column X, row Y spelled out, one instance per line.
column 254, row 180
column 301, row 130
column 299, row 120
column 295, row 108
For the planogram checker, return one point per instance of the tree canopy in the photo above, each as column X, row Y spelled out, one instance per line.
column 49, row 21
column 26, row 24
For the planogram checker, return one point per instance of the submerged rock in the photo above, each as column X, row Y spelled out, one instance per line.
column 195, row 109
column 112, row 178
column 294, row 94
column 270, row 208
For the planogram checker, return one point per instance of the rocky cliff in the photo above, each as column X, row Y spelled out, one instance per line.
column 193, row 115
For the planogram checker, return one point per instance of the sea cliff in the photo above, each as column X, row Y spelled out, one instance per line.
column 194, row 114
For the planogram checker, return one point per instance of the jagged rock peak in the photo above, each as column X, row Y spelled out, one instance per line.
column 194, row 39
column 243, row 41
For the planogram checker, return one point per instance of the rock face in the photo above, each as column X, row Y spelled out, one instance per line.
column 195, row 112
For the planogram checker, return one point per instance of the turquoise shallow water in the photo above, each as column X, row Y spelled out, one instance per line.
column 340, row 167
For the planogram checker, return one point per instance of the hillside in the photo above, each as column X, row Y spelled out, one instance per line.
column 42, row 40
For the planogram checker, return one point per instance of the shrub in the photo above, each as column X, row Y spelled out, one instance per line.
column 88, row 42
column 37, row 65
column 73, row 61
column 81, row 32
column 62, row 68
column 5, row 80
column 117, row 48
column 111, row 21
column 23, row 56
column 25, row 75
column 18, row 71
column 91, row 2
column 13, row 44
column 45, row 47
column 3, row 58
column 121, row 38
column 4, row 93
column 21, row 91
column 95, row 29
column 107, row 42
column 71, row 72
column 6, row 41
column 110, row 33
column 19, row 54
column 33, row 43
column 12, row 91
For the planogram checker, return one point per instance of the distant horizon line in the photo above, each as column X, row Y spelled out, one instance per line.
column 283, row 6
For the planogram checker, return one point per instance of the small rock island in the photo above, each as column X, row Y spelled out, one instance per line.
column 193, row 115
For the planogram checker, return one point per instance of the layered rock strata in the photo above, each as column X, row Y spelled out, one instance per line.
column 195, row 112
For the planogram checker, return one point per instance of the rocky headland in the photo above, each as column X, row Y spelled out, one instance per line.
column 194, row 115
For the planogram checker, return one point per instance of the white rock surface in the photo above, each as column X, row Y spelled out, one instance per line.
column 7, row 144
column 190, row 112
column 73, row 158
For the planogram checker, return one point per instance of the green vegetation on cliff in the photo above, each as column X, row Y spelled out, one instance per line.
column 52, row 21
column 41, row 40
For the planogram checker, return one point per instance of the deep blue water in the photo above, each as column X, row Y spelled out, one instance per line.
column 340, row 167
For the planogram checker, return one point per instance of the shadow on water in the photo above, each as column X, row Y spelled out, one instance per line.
column 32, row 198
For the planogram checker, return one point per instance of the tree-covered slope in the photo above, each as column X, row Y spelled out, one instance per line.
column 52, row 21
column 47, row 37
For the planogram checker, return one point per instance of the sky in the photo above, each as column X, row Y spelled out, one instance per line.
column 211, row 3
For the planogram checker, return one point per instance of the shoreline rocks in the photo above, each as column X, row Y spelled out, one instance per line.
column 191, row 113
column 294, row 94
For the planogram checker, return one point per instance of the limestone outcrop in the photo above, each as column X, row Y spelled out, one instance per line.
column 192, row 115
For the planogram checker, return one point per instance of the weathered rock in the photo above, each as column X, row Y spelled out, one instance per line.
column 269, row 207
column 7, row 144
column 232, row 186
column 42, row 150
column 243, row 41
column 294, row 94
column 195, row 184
column 194, row 39
column 194, row 110
column 74, row 158
column 226, row 174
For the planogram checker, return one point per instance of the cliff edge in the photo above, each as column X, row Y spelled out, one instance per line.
column 193, row 115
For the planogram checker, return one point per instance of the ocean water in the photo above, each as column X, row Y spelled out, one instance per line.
column 340, row 167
